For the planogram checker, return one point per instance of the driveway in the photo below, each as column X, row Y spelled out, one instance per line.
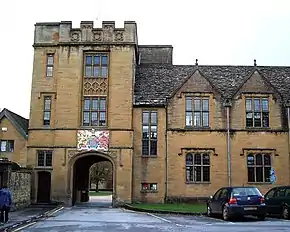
column 98, row 216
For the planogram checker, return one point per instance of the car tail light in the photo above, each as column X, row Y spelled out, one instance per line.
column 233, row 201
column 262, row 200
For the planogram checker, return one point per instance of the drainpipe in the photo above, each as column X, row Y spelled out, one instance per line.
column 288, row 119
column 166, row 149
column 228, row 105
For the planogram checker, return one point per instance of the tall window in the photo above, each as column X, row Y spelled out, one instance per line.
column 149, row 133
column 47, row 110
column 198, row 167
column 259, row 167
column 49, row 65
column 96, row 65
column 44, row 158
column 94, row 111
column 197, row 111
column 7, row 145
column 257, row 112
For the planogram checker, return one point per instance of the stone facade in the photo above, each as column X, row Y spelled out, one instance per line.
column 138, row 82
column 13, row 137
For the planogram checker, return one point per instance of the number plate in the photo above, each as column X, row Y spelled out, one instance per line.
column 250, row 208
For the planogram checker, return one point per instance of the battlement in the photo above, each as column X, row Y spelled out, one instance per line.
column 58, row 33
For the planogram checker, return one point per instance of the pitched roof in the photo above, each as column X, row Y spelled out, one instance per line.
column 20, row 123
column 156, row 82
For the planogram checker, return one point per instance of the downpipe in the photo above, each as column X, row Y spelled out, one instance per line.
column 229, row 147
column 288, row 119
column 166, row 151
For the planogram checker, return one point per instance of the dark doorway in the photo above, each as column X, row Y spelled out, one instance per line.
column 82, row 192
column 44, row 187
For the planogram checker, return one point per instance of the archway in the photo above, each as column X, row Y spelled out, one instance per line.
column 81, row 165
column 44, row 187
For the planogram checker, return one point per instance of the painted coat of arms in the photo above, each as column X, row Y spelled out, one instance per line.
column 93, row 140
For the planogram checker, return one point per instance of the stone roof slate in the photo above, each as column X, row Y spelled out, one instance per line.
column 155, row 83
column 20, row 123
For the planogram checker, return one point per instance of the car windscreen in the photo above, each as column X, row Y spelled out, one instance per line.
column 245, row 192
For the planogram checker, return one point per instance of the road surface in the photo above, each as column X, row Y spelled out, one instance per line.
column 99, row 217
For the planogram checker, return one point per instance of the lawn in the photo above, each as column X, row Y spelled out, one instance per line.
column 100, row 193
column 194, row 208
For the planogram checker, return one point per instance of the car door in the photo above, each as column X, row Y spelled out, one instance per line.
column 278, row 200
column 269, row 200
column 223, row 198
column 214, row 201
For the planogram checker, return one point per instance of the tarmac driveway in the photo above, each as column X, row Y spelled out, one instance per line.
column 119, row 220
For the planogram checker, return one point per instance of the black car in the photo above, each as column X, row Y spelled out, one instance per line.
column 277, row 201
column 237, row 202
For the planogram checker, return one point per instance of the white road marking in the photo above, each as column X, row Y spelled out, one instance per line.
column 55, row 211
column 163, row 219
column 23, row 227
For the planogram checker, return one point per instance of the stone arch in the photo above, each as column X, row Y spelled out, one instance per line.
column 82, row 154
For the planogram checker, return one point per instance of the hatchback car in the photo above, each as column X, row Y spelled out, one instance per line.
column 237, row 202
column 277, row 201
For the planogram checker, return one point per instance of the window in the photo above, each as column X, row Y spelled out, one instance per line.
column 198, row 167
column 7, row 145
column 257, row 112
column 149, row 133
column 148, row 187
column 259, row 168
column 49, row 65
column 94, row 111
column 44, row 158
column 197, row 111
column 47, row 110
column 96, row 65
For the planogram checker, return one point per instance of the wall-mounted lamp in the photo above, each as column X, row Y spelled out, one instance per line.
column 4, row 129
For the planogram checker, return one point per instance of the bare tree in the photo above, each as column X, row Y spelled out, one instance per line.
column 100, row 172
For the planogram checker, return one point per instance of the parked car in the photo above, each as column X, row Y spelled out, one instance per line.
column 277, row 201
column 237, row 202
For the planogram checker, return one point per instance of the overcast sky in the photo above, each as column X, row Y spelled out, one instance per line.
column 214, row 31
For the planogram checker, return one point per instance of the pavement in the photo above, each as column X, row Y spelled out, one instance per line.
column 99, row 216
column 27, row 214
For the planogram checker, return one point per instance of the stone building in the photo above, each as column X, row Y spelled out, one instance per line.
column 170, row 131
column 13, row 170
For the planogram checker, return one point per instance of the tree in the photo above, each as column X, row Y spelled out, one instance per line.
column 100, row 172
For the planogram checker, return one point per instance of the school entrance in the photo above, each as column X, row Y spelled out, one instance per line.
column 93, row 169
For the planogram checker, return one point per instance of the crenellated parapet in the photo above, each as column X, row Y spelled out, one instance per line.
column 62, row 33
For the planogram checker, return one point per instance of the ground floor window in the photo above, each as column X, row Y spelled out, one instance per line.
column 149, row 187
column 259, row 168
column 198, row 167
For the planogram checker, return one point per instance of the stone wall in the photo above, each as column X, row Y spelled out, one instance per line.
column 20, row 185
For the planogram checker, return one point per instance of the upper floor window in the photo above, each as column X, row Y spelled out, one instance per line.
column 44, row 158
column 96, row 65
column 47, row 110
column 149, row 133
column 94, row 111
column 49, row 65
column 259, row 168
column 257, row 112
column 7, row 145
column 198, row 167
column 197, row 111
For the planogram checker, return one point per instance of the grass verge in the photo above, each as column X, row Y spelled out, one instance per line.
column 100, row 193
column 194, row 208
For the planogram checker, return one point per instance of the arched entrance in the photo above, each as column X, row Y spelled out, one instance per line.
column 44, row 187
column 80, row 181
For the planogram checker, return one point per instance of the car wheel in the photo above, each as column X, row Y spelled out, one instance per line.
column 261, row 217
column 209, row 211
column 285, row 212
column 225, row 213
